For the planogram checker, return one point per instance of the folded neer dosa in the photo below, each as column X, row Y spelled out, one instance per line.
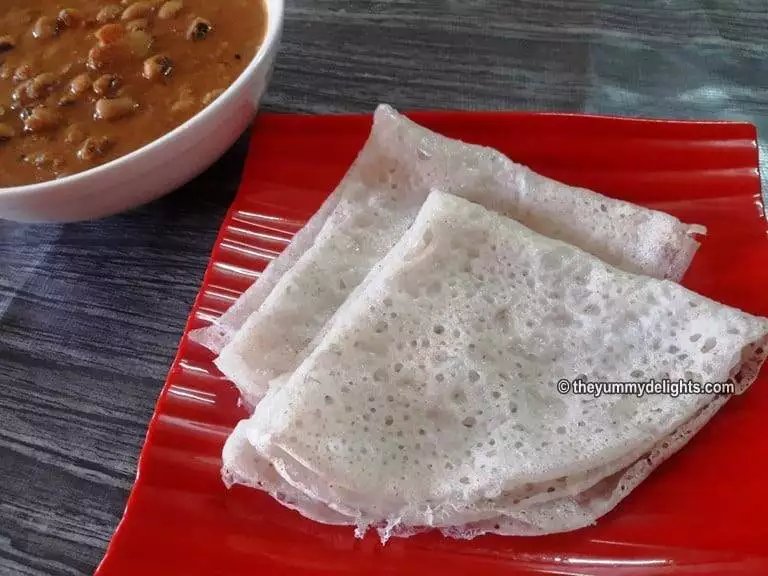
column 431, row 397
column 271, row 328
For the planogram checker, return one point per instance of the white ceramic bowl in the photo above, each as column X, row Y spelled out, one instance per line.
column 161, row 166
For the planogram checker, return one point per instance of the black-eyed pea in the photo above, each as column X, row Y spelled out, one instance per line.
column 7, row 43
column 110, row 34
column 115, row 108
column 74, row 135
column 66, row 100
column 41, row 119
column 6, row 132
column 137, row 10
column 94, row 148
column 41, row 85
column 170, row 9
column 100, row 57
column 199, row 29
column 107, row 85
column 138, row 24
column 157, row 67
column 80, row 85
column 70, row 18
column 211, row 96
column 109, row 13
column 45, row 28
column 139, row 43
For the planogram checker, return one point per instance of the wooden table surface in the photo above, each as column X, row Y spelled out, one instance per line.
column 90, row 314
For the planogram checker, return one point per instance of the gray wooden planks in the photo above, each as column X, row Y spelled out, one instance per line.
column 91, row 314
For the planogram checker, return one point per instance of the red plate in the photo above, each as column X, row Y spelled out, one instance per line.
column 703, row 512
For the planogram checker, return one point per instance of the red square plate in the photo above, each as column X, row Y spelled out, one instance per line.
column 703, row 512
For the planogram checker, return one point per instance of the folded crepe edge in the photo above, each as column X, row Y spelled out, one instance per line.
column 587, row 506
column 682, row 259
column 602, row 498
column 579, row 510
column 625, row 481
column 673, row 267
column 243, row 465
column 221, row 331
column 744, row 368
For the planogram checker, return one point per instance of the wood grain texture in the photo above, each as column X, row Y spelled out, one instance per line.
column 90, row 314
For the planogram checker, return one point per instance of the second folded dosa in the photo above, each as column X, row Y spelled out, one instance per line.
column 433, row 388
column 378, row 201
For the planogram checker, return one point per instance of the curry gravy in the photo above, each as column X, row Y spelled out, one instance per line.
column 83, row 82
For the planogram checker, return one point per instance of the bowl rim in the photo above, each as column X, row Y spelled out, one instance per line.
column 275, row 14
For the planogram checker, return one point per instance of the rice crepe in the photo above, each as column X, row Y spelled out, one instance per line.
column 242, row 464
column 566, row 514
column 219, row 334
column 600, row 492
column 379, row 199
column 433, row 388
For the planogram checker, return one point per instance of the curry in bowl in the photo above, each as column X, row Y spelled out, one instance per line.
column 89, row 81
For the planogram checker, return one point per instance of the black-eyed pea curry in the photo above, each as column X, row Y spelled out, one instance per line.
column 83, row 82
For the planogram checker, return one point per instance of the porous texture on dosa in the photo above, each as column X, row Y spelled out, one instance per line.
column 374, row 206
column 430, row 397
